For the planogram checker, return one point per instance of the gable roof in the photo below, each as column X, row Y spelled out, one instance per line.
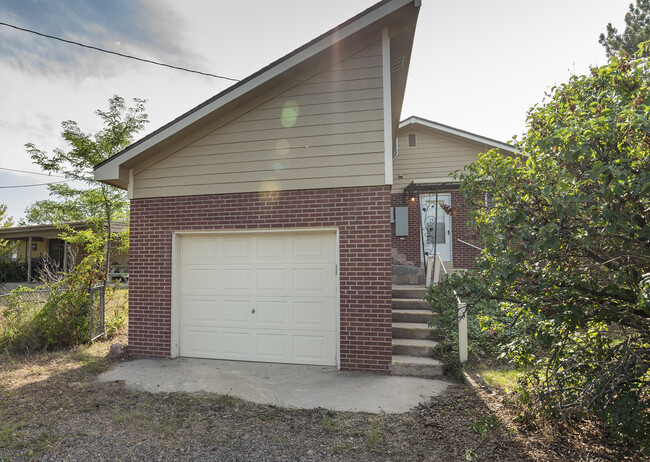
column 400, row 14
column 454, row 133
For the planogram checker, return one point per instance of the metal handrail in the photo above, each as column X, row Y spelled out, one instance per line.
column 467, row 243
column 434, row 267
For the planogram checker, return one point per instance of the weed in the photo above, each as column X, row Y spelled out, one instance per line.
column 376, row 435
column 483, row 425
column 7, row 436
column 339, row 447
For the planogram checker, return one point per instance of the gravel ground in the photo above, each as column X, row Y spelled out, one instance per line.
column 52, row 409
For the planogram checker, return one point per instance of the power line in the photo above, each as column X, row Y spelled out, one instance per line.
column 30, row 185
column 117, row 53
column 31, row 173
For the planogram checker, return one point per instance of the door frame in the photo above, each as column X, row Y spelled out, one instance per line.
column 448, row 219
column 174, row 344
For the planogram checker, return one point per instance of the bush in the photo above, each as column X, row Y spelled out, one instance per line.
column 12, row 271
column 488, row 327
column 59, row 319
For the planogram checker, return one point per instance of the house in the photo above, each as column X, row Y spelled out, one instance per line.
column 36, row 245
column 428, row 153
column 260, row 220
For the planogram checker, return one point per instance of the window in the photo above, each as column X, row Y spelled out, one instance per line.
column 412, row 140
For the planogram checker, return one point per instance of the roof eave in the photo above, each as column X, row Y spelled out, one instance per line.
column 455, row 132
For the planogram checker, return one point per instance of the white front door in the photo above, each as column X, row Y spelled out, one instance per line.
column 263, row 296
column 436, row 226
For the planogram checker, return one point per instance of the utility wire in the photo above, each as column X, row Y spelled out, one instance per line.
column 31, row 173
column 116, row 53
column 30, row 185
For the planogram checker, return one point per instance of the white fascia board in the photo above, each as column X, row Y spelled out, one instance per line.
column 388, row 110
column 455, row 132
column 104, row 172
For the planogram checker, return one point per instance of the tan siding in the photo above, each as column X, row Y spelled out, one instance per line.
column 434, row 157
column 336, row 141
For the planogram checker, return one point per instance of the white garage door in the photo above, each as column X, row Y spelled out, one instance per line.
column 268, row 297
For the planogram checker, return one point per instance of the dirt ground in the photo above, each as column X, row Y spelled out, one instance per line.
column 51, row 408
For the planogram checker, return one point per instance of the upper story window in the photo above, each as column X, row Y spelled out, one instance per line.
column 412, row 140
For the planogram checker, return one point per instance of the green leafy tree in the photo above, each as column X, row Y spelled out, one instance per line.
column 93, row 202
column 637, row 30
column 567, row 248
column 5, row 222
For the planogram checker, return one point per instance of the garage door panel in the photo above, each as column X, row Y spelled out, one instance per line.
column 236, row 344
column 234, row 313
column 199, row 342
column 272, row 248
column 314, row 248
column 199, row 311
column 236, row 249
column 236, row 279
column 272, row 279
column 201, row 279
column 313, row 314
column 310, row 347
column 272, row 313
column 263, row 297
column 272, row 347
column 198, row 249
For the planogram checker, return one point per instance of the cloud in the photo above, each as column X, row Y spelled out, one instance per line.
column 144, row 28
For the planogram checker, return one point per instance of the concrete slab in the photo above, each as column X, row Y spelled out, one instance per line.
column 285, row 385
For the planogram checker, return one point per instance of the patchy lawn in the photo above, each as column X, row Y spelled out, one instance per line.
column 51, row 408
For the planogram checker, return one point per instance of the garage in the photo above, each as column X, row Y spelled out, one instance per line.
column 257, row 296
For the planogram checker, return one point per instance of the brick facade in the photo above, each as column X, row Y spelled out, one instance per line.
column 361, row 215
column 463, row 256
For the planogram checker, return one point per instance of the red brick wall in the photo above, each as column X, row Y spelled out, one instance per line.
column 463, row 255
column 361, row 214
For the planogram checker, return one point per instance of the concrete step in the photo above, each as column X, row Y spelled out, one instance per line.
column 413, row 347
column 412, row 315
column 410, row 304
column 405, row 291
column 416, row 367
column 413, row 330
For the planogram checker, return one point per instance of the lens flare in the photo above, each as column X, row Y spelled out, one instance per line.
column 290, row 113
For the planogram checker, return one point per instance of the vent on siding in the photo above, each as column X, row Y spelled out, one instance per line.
column 412, row 140
column 398, row 63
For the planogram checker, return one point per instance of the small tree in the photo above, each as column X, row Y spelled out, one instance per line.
column 5, row 222
column 96, row 202
column 637, row 30
column 567, row 247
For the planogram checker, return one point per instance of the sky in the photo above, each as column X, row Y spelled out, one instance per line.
column 477, row 65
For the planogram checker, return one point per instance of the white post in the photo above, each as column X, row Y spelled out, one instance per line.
column 429, row 270
column 462, row 332
column 436, row 269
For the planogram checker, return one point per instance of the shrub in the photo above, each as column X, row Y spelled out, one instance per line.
column 58, row 319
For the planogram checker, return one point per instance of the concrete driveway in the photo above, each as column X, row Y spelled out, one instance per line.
column 283, row 385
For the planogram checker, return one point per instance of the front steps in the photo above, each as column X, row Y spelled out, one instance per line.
column 413, row 339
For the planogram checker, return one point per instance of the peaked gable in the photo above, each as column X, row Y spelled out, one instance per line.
column 390, row 23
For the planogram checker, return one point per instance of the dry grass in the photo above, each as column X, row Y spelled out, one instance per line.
column 51, row 407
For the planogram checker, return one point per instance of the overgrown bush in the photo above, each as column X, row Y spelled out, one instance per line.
column 567, row 249
column 58, row 319
column 488, row 327
column 12, row 271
